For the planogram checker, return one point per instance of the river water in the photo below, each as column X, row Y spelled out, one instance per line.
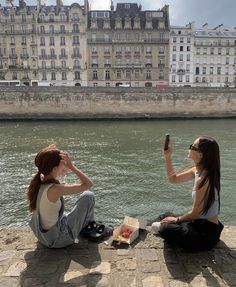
column 124, row 160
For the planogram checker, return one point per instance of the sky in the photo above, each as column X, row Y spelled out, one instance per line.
column 213, row 12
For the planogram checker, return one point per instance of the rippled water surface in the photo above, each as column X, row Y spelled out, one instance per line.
column 124, row 160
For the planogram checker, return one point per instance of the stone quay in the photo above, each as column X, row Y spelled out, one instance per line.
column 147, row 262
column 116, row 103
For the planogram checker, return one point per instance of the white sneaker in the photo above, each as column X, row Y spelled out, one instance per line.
column 156, row 226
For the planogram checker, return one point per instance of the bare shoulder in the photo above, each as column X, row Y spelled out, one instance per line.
column 199, row 183
column 193, row 170
column 54, row 192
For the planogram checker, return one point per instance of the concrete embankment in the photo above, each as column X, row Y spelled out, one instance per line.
column 96, row 103
column 148, row 262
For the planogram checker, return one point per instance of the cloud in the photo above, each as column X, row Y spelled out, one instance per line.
column 100, row 5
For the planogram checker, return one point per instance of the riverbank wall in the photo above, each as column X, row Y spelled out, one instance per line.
column 112, row 103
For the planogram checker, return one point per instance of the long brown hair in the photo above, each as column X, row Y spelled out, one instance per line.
column 210, row 163
column 46, row 159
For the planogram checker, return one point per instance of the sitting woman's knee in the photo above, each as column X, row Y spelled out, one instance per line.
column 88, row 195
column 165, row 229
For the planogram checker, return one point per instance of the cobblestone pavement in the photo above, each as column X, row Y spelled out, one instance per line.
column 148, row 262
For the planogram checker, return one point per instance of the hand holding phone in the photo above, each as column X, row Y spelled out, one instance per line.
column 167, row 141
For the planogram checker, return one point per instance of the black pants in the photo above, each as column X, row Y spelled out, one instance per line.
column 196, row 235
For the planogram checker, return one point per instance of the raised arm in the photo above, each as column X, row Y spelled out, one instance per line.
column 58, row 190
column 196, row 210
column 174, row 177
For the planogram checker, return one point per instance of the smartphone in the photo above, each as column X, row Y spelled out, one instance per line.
column 167, row 141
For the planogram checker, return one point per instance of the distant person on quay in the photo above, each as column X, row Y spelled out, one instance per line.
column 50, row 224
column 200, row 228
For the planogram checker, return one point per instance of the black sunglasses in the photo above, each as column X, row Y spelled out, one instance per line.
column 192, row 147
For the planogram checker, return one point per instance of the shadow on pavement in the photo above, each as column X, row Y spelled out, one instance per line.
column 213, row 268
column 70, row 266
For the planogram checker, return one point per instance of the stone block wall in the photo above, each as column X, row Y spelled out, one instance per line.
column 94, row 103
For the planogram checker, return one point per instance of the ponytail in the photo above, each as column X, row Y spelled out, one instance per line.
column 33, row 191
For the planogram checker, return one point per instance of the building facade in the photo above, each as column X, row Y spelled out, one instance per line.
column 67, row 45
column 46, row 44
column 18, row 43
column 128, row 46
column 182, row 55
column 215, row 56
column 202, row 57
column 125, row 45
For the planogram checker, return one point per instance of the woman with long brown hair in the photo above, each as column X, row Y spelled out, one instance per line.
column 50, row 224
column 200, row 228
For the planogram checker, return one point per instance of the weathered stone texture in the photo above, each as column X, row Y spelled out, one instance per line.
column 147, row 262
column 75, row 102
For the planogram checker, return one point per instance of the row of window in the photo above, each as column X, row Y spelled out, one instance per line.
column 76, row 52
column 210, row 80
column 51, row 17
column 186, row 79
column 203, row 42
column 42, row 29
column 129, row 36
column 53, row 76
column 215, row 42
column 182, row 48
column 211, row 70
column 182, row 57
column 215, row 51
column 128, row 49
column 213, row 60
column 180, row 78
column 62, row 17
column 127, row 75
column 76, row 64
column 181, row 40
column 75, row 41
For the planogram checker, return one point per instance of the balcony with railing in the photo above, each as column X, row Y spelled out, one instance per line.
column 73, row 56
column 43, row 57
column 25, row 78
column 63, row 57
column 12, row 67
column 13, row 56
column 52, row 57
column 24, row 56
column 181, row 71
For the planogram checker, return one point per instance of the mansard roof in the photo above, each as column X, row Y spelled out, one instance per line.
column 28, row 9
column 214, row 33
column 132, row 11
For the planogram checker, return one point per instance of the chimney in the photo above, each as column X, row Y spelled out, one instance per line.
column 39, row 4
column 219, row 28
column 59, row 3
column 21, row 4
column 205, row 27
column 192, row 25
column 112, row 6
column 86, row 7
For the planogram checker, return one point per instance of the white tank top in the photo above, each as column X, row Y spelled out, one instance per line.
column 214, row 208
column 49, row 211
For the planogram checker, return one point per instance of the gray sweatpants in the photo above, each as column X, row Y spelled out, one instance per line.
column 68, row 227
